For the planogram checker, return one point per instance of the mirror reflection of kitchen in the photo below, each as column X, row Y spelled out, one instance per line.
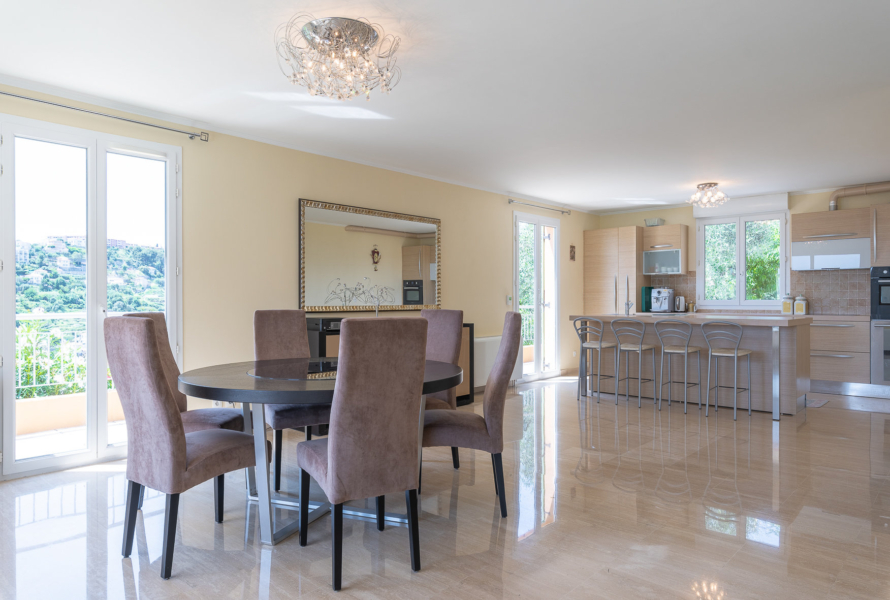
column 361, row 260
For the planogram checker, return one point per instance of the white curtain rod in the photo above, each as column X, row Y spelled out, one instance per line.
column 559, row 210
column 203, row 135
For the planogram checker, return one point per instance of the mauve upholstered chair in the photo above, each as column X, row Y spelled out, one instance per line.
column 465, row 429
column 372, row 446
column 283, row 334
column 197, row 419
column 443, row 344
column 160, row 454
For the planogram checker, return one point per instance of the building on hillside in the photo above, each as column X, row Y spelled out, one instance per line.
column 55, row 245
column 75, row 240
column 22, row 252
column 117, row 243
column 36, row 277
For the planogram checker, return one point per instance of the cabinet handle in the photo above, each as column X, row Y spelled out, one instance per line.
column 831, row 325
column 874, row 227
column 830, row 235
column 876, row 325
column 616, row 294
column 831, row 355
column 661, row 246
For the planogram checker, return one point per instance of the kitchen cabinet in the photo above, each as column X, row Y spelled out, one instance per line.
column 665, row 249
column 412, row 257
column 613, row 262
column 832, row 225
column 840, row 350
column 881, row 235
column 419, row 264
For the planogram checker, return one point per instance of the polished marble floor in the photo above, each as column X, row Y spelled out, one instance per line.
column 604, row 501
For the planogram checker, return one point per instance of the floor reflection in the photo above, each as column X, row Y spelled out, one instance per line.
column 536, row 459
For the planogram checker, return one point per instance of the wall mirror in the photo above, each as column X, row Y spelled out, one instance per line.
column 359, row 259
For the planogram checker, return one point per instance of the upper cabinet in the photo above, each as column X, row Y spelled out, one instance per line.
column 832, row 225
column 613, row 264
column 665, row 249
column 881, row 235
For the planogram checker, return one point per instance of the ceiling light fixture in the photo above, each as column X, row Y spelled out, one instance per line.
column 708, row 196
column 337, row 57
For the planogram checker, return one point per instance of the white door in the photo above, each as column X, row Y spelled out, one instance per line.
column 89, row 228
column 536, row 283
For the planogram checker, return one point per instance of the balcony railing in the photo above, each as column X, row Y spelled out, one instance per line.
column 528, row 324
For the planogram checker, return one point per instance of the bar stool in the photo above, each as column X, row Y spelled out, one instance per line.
column 587, row 328
column 632, row 329
column 678, row 331
column 731, row 332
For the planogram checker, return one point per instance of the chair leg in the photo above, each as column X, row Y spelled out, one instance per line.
column 337, row 546
column 170, row 515
column 640, row 379
column 381, row 512
column 455, row 458
column 279, row 442
column 420, row 471
column 698, row 361
column 141, row 496
column 735, row 386
column 599, row 369
column 134, row 493
column 716, row 382
column 749, row 385
column 708, row 391
column 660, row 377
column 654, row 378
column 670, row 378
column 413, row 529
column 308, row 432
column 494, row 471
column 685, row 379
column 304, row 507
column 582, row 373
column 627, row 376
column 219, row 490
column 499, row 477
column 617, row 374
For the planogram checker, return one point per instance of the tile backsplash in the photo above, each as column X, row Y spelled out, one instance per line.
column 844, row 292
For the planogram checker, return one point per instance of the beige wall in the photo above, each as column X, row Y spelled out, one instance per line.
column 240, row 238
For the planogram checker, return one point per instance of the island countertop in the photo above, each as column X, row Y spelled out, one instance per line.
column 780, row 365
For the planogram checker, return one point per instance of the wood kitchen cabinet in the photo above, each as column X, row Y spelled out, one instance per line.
column 613, row 262
column 412, row 257
column 832, row 225
column 881, row 235
column 840, row 350
column 419, row 264
column 667, row 245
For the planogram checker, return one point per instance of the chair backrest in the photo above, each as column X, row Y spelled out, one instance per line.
column 373, row 436
column 722, row 330
column 280, row 334
column 587, row 328
column 673, row 329
column 629, row 331
column 443, row 343
column 168, row 361
column 499, row 378
column 156, row 453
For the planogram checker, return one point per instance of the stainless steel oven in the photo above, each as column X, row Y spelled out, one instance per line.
column 412, row 291
column 880, row 352
column 880, row 293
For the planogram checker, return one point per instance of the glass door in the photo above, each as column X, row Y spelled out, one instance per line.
column 536, row 284
column 88, row 225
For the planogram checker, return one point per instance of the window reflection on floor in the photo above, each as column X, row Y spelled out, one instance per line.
column 536, row 461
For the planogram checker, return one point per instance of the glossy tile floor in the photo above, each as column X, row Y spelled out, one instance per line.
column 604, row 502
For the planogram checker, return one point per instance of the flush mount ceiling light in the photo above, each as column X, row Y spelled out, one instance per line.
column 337, row 57
column 708, row 196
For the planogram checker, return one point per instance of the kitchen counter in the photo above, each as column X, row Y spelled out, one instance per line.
column 780, row 365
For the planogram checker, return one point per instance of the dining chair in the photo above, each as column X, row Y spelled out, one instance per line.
column 590, row 334
column 160, row 454
column 443, row 344
column 726, row 331
column 372, row 445
column 466, row 429
column 283, row 334
column 199, row 418
column 679, row 332
column 630, row 334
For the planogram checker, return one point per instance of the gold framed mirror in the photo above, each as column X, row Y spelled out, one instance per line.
column 356, row 259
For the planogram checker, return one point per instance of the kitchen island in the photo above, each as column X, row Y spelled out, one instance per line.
column 780, row 365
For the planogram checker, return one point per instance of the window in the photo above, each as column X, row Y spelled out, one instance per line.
column 742, row 260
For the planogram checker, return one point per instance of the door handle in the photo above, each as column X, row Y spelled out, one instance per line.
column 616, row 294
column 831, row 355
column 874, row 231
column 662, row 246
column 831, row 325
column 829, row 235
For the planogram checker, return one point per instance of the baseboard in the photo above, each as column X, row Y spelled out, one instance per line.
column 839, row 388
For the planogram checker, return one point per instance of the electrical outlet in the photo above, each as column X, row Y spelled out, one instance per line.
column 509, row 300
column 574, row 353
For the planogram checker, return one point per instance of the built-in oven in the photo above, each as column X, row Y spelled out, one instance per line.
column 880, row 352
column 412, row 291
column 880, row 293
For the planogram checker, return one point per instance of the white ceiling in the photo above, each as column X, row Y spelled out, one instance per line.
column 597, row 105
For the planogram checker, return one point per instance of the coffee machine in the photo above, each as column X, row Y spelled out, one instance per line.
column 662, row 300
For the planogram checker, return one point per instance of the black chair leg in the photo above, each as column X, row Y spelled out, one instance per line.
column 420, row 471
column 494, row 471
column 279, row 442
column 170, row 515
column 141, row 496
column 337, row 543
column 381, row 512
column 219, row 491
column 308, row 432
column 455, row 458
column 413, row 529
column 499, row 477
column 304, row 507
column 134, row 493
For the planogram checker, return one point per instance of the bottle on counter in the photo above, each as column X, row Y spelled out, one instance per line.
column 788, row 305
column 800, row 305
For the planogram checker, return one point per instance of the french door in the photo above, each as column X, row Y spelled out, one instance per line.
column 88, row 228
column 536, row 279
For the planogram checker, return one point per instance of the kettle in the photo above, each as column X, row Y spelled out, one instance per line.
column 679, row 304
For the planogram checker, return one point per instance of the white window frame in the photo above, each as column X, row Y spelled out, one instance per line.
column 741, row 266
column 97, row 144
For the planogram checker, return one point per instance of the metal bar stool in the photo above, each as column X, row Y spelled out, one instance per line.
column 731, row 332
column 677, row 331
column 590, row 333
column 633, row 331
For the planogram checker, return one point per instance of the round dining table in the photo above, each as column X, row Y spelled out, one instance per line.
column 290, row 381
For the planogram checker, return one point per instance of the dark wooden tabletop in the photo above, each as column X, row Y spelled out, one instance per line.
column 290, row 381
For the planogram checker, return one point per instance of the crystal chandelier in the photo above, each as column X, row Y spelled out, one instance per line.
column 708, row 196
column 337, row 57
